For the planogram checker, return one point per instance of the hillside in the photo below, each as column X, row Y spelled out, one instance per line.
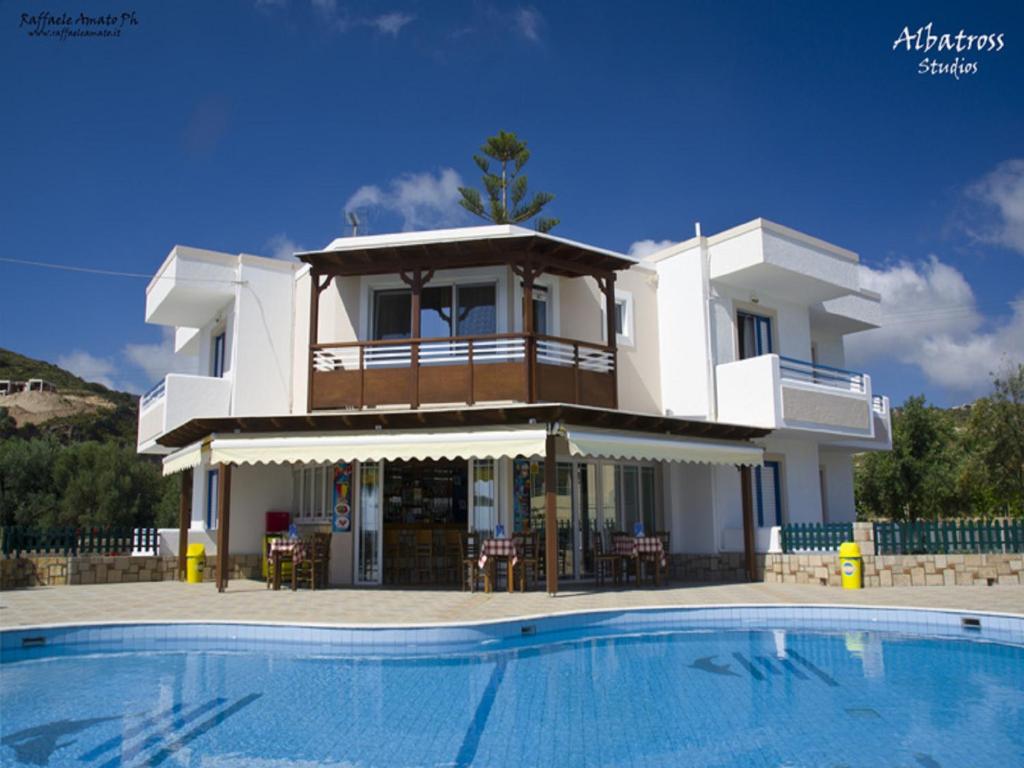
column 79, row 410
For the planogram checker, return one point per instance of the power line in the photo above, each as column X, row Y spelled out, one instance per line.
column 112, row 272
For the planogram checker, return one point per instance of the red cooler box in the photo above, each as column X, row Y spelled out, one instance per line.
column 278, row 521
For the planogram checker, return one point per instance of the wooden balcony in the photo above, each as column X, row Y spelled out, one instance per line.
column 516, row 367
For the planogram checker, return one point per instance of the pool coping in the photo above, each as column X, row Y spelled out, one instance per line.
column 467, row 635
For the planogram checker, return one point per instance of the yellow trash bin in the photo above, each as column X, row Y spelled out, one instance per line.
column 195, row 563
column 851, row 565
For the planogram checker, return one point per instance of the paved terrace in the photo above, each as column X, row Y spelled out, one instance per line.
column 250, row 601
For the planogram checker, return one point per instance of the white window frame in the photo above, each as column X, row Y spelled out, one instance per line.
column 550, row 284
column 627, row 337
column 305, row 511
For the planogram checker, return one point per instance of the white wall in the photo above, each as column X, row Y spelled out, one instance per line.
column 800, row 487
column 688, row 495
column 687, row 388
column 262, row 359
column 838, row 485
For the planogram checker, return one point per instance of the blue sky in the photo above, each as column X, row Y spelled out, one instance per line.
column 248, row 126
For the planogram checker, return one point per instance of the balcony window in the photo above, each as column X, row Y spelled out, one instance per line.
column 217, row 361
column 755, row 335
column 623, row 320
column 768, row 494
column 212, row 487
column 445, row 310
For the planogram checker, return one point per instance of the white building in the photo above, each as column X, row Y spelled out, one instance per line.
column 436, row 374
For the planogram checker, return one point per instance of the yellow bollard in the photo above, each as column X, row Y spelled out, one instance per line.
column 851, row 565
column 196, row 563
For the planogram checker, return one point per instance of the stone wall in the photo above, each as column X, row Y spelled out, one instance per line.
column 725, row 566
column 55, row 570
column 899, row 570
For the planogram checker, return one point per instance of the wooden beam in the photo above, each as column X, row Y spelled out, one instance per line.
column 314, row 323
column 609, row 303
column 749, row 553
column 223, row 526
column 550, row 515
column 184, row 522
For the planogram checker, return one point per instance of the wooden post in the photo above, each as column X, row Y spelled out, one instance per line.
column 750, row 555
column 223, row 526
column 609, row 305
column 530, row 346
column 550, row 515
column 314, row 323
column 414, row 348
column 184, row 522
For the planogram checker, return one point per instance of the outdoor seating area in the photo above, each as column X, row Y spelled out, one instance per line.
column 305, row 560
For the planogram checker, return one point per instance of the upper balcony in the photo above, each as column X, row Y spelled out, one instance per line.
column 762, row 257
column 176, row 400
column 783, row 393
column 502, row 367
column 399, row 366
column 192, row 285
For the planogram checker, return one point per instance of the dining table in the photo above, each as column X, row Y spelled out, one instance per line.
column 493, row 550
column 282, row 551
column 636, row 547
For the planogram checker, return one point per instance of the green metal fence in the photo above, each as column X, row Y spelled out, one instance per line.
column 815, row 536
column 946, row 537
column 16, row 539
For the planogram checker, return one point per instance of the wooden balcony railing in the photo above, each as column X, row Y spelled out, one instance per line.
column 513, row 367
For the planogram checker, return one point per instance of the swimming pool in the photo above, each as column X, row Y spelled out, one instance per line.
column 705, row 687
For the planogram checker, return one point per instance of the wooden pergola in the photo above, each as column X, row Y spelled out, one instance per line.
column 550, row 414
column 528, row 254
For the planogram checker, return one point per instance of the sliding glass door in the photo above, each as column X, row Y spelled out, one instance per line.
column 369, row 541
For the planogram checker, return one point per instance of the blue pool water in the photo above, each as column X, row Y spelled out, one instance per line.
column 564, row 698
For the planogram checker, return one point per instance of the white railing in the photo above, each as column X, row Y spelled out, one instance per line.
column 445, row 352
column 154, row 394
column 879, row 405
column 563, row 353
column 825, row 375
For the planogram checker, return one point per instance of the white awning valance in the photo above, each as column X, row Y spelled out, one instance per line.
column 621, row 445
column 184, row 458
column 377, row 446
column 451, row 444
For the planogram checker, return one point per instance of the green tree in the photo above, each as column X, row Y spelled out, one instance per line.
column 993, row 474
column 918, row 478
column 506, row 190
column 104, row 484
column 27, row 491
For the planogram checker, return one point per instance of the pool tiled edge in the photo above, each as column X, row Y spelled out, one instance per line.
column 479, row 636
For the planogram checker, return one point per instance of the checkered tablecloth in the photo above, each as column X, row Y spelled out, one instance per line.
column 641, row 545
column 293, row 548
column 498, row 548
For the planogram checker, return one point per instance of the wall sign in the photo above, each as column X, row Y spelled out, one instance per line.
column 341, row 519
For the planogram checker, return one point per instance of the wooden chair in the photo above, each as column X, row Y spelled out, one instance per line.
column 424, row 556
column 603, row 559
column 313, row 564
column 452, row 556
column 470, row 560
column 391, row 556
column 529, row 557
column 625, row 561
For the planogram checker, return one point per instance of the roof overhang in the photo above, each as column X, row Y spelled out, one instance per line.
column 455, row 418
column 463, row 248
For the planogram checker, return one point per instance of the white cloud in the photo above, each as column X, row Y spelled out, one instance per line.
column 528, row 23
column 157, row 360
column 642, row 248
column 390, row 23
column 930, row 319
column 422, row 200
column 280, row 246
column 326, row 7
column 1000, row 193
column 89, row 367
